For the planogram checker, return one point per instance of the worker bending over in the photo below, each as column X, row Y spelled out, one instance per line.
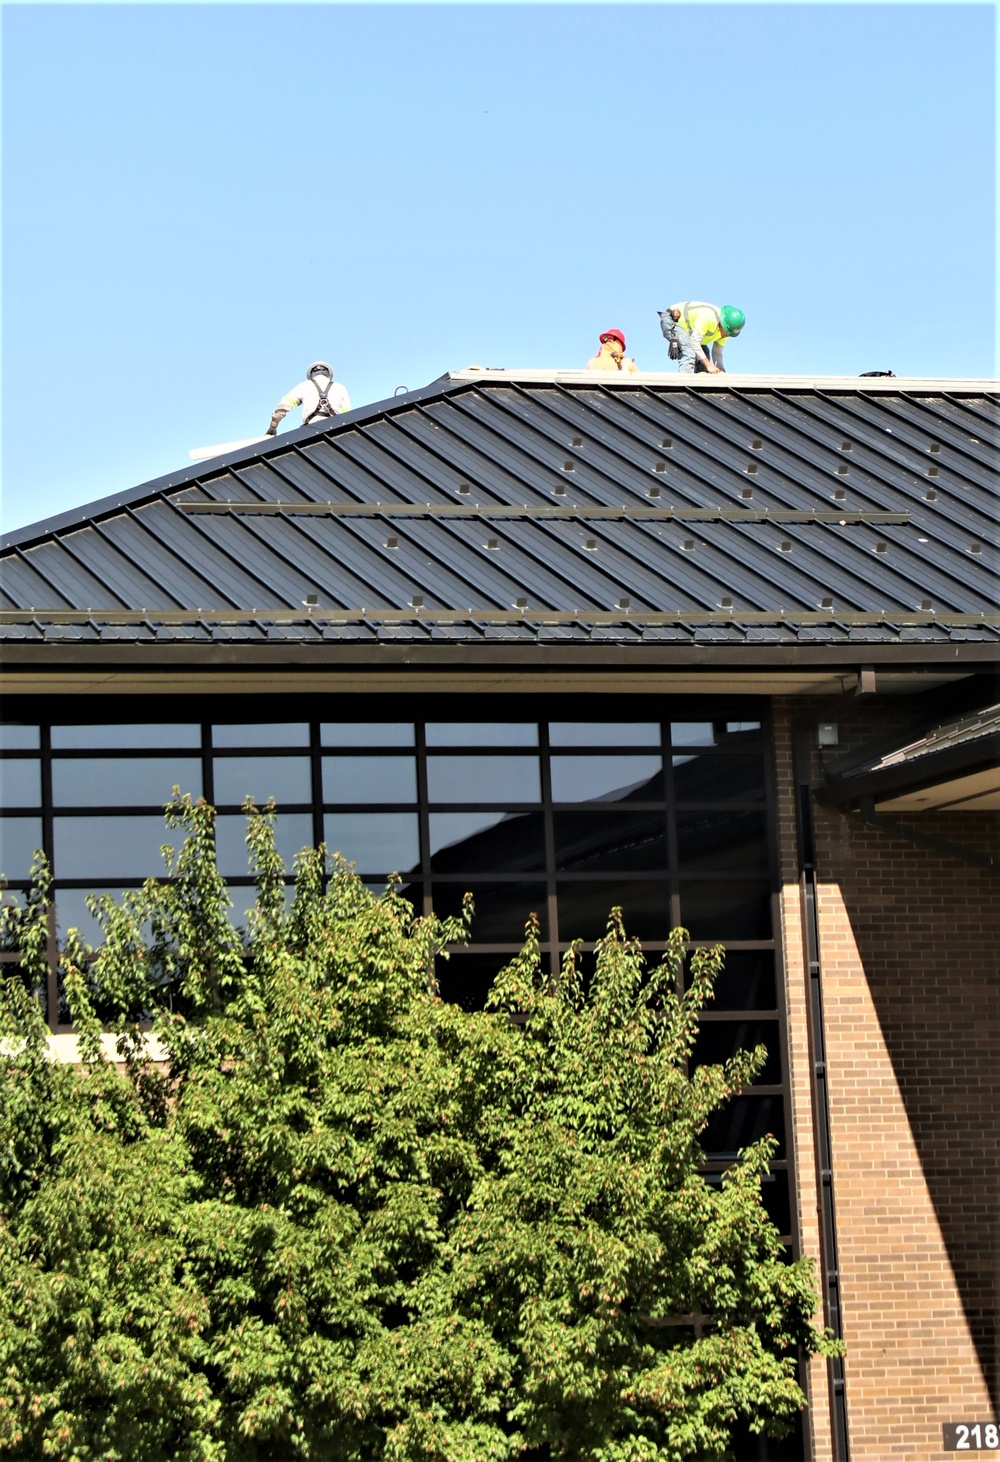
column 693, row 327
column 319, row 395
column 611, row 356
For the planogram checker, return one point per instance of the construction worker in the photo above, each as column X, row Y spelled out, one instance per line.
column 611, row 356
column 692, row 327
column 319, row 395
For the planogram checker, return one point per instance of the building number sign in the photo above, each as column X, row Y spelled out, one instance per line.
column 971, row 1436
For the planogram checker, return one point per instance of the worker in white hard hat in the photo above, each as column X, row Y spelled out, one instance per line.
column 319, row 395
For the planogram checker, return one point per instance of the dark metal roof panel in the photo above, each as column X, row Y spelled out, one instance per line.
column 543, row 444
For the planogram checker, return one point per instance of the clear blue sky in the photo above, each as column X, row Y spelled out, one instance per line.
column 199, row 200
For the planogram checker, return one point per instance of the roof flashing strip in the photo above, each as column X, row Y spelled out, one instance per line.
column 638, row 618
column 726, row 380
column 539, row 510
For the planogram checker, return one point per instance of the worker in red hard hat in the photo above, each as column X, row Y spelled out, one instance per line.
column 611, row 356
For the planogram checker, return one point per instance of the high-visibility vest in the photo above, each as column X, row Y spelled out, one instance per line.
column 701, row 318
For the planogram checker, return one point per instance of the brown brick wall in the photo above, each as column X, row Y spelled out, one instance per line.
column 909, row 942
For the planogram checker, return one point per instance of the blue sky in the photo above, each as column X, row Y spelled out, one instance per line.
column 201, row 199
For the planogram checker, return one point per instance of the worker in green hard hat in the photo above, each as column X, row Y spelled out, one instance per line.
column 696, row 334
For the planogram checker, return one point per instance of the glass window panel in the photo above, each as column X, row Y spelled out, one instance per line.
column 743, row 730
column 483, row 779
column 482, row 733
column 366, row 733
column 746, row 981
column 718, row 1040
column 128, row 738
column 487, row 842
column 270, row 733
column 584, row 908
column 466, row 978
column 20, row 783
column 19, row 837
column 15, row 737
column 718, row 778
column 502, row 909
column 111, row 847
column 293, row 831
column 607, row 779
column 369, row 779
column 90, row 781
column 412, row 892
column 733, row 734
column 378, row 842
column 717, row 842
column 610, row 842
column 692, row 733
column 243, row 897
column 774, row 1196
column 740, row 1122
column 724, row 909
column 72, row 913
column 288, row 779
column 604, row 733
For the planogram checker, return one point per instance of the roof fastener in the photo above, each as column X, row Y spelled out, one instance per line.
column 975, row 548
column 688, row 545
column 826, row 603
column 746, row 492
column 667, row 443
column 567, row 467
column 520, row 603
column 930, row 496
column 934, row 447
column 880, row 547
column 726, row 603
column 842, row 470
column 311, row 599
column 576, row 441
column 845, row 446
column 926, row 604
column 392, row 543
column 417, row 602
column 751, row 467
column 784, row 546
column 559, row 490
column 756, row 444
column 839, row 495
column 659, row 466
column 492, row 543
column 623, row 604
column 591, row 545
column 653, row 492
column 932, row 471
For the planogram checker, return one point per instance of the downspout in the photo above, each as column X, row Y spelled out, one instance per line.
column 820, row 1091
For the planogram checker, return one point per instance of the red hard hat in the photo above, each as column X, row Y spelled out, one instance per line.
column 613, row 335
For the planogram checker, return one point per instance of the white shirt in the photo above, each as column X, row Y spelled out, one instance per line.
column 306, row 395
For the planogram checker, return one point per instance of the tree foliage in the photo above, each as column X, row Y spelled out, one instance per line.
column 342, row 1218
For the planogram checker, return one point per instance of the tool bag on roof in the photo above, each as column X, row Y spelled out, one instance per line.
column 322, row 407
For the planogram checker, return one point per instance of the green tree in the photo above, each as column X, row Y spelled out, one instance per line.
column 341, row 1218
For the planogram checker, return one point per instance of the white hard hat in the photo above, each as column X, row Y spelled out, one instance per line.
column 320, row 365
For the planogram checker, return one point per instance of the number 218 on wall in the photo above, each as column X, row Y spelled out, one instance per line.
column 971, row 1436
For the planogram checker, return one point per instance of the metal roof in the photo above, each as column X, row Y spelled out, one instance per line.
column 554, row 505
column 952, row 764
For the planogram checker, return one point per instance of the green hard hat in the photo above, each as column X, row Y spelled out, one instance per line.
column 733, row 319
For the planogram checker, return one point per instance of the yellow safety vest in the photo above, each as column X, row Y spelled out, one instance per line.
column 699, row 318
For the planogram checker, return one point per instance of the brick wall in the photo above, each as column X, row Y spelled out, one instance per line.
column 909, row 942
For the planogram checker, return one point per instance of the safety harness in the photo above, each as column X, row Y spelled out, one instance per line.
column 322, row 407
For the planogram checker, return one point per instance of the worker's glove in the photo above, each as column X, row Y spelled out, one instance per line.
column 275, row 419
